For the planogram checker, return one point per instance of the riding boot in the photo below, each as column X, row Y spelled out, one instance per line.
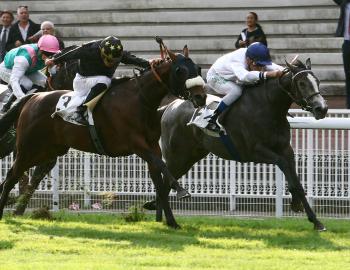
column 95, row 91
column 8, row 104
column 212, row 122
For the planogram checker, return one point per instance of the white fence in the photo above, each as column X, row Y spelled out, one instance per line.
column 218, row 187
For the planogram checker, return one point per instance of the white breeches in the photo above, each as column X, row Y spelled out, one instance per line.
column 26, row 81
column 82, row 85
column 230, row 89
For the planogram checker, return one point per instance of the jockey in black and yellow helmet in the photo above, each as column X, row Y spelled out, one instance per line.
column 98, row 61
column 111, row 51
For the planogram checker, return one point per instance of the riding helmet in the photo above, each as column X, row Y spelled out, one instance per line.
column 259, row 53
column 111, row 49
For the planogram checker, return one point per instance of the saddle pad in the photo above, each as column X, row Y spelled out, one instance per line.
column 67, row 105
column 3, row 88
column 201, row 116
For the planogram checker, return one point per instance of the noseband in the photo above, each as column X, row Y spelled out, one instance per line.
column 293, row 93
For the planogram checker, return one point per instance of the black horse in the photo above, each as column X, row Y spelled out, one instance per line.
column 257, row 125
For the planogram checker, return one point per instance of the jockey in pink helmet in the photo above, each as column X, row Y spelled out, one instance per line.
column 21, row 67
column 48, row 44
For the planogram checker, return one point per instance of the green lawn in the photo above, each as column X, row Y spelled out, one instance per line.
column 92, row 241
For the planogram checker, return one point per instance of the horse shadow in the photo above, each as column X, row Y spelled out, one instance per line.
column 239, row 233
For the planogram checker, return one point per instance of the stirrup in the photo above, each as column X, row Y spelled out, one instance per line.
column 81, row 117
column 213, row 126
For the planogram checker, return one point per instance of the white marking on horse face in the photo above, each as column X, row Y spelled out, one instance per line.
column 318, row 99
column 313, row 81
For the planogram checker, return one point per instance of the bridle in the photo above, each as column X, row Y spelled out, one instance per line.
column 294, row 92
column 164, row 54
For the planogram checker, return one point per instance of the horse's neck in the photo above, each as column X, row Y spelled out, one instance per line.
column 278, row 98
column 152, row 91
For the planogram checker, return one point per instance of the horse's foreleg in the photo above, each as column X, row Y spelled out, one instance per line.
column 285, row 161
column 163, row 198
column 287, row 165
column 159, row 209
column 38, row 175
column 11, row 179
column 155, row 165
column 7, row 143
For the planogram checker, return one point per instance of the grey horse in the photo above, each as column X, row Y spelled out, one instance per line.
column 257, row 125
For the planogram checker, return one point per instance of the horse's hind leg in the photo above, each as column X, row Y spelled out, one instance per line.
column 38, row 175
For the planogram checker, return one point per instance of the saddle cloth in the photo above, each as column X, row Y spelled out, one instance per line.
column 201, row 116
column 66, row 107
column 3, row 88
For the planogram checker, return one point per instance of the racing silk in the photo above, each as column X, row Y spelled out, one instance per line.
column 233, row 67
column 24, row 64
column 30, row 53
column 91, row 62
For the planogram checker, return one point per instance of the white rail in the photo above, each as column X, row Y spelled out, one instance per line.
column 218, row 186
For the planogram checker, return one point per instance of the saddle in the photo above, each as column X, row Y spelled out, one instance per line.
column 67, row 105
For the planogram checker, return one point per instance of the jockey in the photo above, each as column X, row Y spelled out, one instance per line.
column 245, row 66
column 98, row 61
column 21, row 67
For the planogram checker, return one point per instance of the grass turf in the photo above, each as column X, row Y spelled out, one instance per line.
column 104, row 241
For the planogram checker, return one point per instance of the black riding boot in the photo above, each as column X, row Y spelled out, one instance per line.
column 8, row 104
column 212, row 122
column 95, row 91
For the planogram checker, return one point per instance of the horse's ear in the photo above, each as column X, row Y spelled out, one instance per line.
column 308, row 63
column 171, row 55
column 291, row 67
column 185, row 51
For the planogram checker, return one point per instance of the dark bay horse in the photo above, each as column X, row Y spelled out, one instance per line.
column 257, row 125
column 60, row 80
column 126, row 118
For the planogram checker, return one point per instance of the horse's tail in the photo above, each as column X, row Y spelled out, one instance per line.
column 11, row 116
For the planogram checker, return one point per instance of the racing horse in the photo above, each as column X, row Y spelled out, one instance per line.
column 257, row 126
column 126, row 119
column 59, row 80
column 62, row 79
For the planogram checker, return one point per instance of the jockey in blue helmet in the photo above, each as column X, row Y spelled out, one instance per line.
column 245, row 66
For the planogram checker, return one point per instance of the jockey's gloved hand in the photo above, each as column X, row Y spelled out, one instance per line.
column 49, row 62
column 155, row 61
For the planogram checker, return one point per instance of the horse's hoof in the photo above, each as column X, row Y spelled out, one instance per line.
column 297, row 207
column 183, row 194
column 150, row 205
column 174, row 226
column 320, row 227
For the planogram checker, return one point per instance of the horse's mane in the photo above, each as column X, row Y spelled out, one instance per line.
column 120, row 80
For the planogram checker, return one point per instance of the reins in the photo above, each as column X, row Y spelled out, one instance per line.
column 49, row 79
